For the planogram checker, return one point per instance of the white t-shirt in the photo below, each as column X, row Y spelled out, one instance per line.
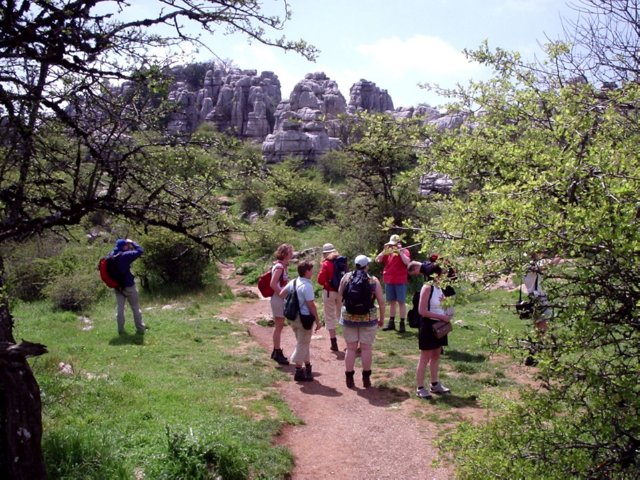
column 304, row 288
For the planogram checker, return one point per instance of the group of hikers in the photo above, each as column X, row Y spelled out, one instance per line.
column 355, row 299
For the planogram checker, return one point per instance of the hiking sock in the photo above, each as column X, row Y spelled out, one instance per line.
column 349, row 377
column 366, row 378
column 401, row 328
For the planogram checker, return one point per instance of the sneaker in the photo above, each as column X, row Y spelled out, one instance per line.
column 439, row 388
column 423, row 393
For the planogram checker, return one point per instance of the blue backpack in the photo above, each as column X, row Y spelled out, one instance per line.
column 339, row 269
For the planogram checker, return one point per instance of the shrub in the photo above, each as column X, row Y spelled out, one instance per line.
column 27, row 281
column 264, row 237
column 300, row 192
column 75, row 292
column 334, row 166
column 171, row 259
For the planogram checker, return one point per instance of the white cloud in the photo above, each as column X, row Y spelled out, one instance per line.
column 418, row 55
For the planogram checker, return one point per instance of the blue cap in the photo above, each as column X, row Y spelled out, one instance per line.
column 120, row 243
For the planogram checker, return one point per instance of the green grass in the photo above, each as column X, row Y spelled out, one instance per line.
column 473, row 365
column 195, row 395
column 194, row 383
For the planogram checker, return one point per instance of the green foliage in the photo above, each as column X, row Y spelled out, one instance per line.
column 227, row 452
column 80, row 454
column 334, row 166
column 75, row 292
column 172, row 259
column 551, row 168
column 381, row 188
column 299, row 192
column 194, row 373
column 264, row 236
column 28, row 280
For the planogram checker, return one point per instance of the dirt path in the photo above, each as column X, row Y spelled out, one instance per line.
column 361, row 433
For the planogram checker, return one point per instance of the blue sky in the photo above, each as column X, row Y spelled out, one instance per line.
column 396, row 43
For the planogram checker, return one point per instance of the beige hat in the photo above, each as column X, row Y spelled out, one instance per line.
column 328, row 248
column 393, row 240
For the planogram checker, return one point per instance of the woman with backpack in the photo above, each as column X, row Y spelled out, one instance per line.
column 332, row 269
column 360, row 319
column 279, row 278
column 431, row 309
column 305, row 316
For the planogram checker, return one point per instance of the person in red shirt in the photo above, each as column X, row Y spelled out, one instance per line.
column 331, row 301
column 394, row 275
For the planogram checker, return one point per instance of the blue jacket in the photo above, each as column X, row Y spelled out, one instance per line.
column 124, row 259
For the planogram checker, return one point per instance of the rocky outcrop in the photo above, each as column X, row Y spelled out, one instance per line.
column 365, row 95
column 239, row 101
column 307, row 124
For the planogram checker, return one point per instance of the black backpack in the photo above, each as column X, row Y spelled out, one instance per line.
column 357, row 293
column 339, row 269
column 413, row 315
column 292, row 303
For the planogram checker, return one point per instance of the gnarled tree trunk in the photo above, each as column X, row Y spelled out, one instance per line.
column 20, row 406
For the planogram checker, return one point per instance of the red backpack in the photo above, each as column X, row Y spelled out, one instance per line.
column 264, row 283
column 109, row 271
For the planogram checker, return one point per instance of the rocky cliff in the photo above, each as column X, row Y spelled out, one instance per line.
column 250, row 106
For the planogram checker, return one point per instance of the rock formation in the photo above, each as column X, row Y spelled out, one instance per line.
column 365, row 95
column 307, row 124
column 238, row 101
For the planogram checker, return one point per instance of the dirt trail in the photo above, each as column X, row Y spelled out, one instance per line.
column 360, row 433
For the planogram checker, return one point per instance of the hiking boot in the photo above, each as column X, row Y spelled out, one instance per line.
column 366, row 378
column 307, row 371
column 349, row 377
column 422, row 392
column 301, row 375
column 401, row 328
column 439, row 388
column 390, row 326
column 279, row 357
column 334, row 344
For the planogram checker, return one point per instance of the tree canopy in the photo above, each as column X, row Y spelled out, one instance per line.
column 549, row 167
column 82, row 100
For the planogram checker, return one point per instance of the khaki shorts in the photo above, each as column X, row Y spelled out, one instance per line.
column 277, row 306
column 365, row 335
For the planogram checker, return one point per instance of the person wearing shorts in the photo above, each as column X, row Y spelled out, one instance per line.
column 395, row 277
column 279, row 278
column 359, row 330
